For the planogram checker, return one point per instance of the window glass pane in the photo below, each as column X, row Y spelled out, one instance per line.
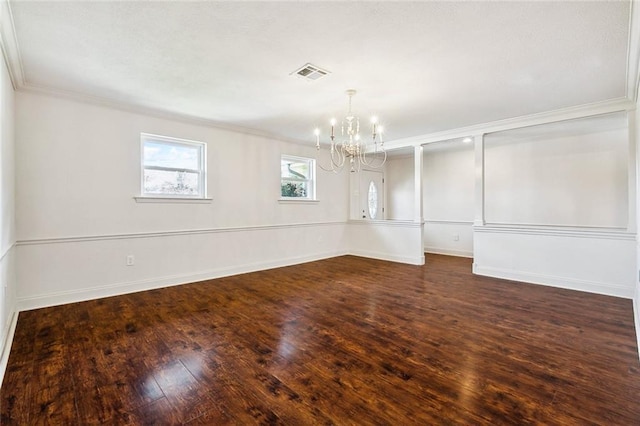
column 294, row 169
column 294, row 189
column 169, row 155
column 161, row 182
column 297, row 177
column 373, row 200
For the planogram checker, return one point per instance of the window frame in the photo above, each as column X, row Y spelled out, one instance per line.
column 311, row 181
column 178, row 142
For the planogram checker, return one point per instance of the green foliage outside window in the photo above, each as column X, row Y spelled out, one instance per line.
column 290, row 189
column 297, row 176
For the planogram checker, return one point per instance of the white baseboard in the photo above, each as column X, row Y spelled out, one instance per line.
column 636, row 319
column 116, row 289
column 556, row 281
column 448, row 252
column 417, row 260
column 7, row 341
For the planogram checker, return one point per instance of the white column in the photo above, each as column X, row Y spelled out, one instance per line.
column 417, row 183
column 418, row 156
column 479, row 180
column 632, row 221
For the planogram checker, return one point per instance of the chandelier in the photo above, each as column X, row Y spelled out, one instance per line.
column 350, row 145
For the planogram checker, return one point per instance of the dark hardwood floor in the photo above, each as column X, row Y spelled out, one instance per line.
column 341, row 341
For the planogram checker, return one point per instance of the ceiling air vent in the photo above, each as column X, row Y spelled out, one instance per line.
column 310, row 72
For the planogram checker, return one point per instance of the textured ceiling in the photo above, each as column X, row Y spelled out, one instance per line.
column 422, row 67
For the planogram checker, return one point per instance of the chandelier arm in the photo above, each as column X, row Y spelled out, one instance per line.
column 338, row 157
column 372, row 162
column 330, row 169
column 336, row 161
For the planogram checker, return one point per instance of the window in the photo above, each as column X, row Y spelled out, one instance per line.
column 297, row 178
column 173, row 168
column 373, row 200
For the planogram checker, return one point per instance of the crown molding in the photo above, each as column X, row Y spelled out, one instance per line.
column 579, row 111
column 391, row 156
column 9, row 46
column 11, row 53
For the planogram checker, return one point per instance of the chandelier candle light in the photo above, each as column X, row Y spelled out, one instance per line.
column 359, row 153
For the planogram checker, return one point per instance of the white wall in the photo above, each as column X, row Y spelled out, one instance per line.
column 66, row 270
column 597, row 262
column 78, row 169
column 393, row 240
column 399, row 188
column 557, row 207
column 577, row 180
column 7, row 217
column 448, row 197
column 448, row 237
column 635, row 133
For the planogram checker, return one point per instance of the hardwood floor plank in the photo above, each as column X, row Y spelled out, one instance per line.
column 16, row 394
column 341, row 341
column 159, row 412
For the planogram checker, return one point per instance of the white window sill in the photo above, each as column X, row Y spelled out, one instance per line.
column 297, row 201
column 172, row 200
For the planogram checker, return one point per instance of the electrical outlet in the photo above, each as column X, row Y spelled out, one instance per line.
column 456, row 237
column 131, row 260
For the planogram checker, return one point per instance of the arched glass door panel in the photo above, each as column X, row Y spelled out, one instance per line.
column 373, row 200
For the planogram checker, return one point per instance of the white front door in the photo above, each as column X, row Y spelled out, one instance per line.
column 371, row 195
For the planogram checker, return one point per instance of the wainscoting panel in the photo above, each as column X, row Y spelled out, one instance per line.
column 636, row 318
column 636, row 297
column 448, row 237
column 8, row 309
column 393, row 240
column 596, row 261
column 57, row 271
